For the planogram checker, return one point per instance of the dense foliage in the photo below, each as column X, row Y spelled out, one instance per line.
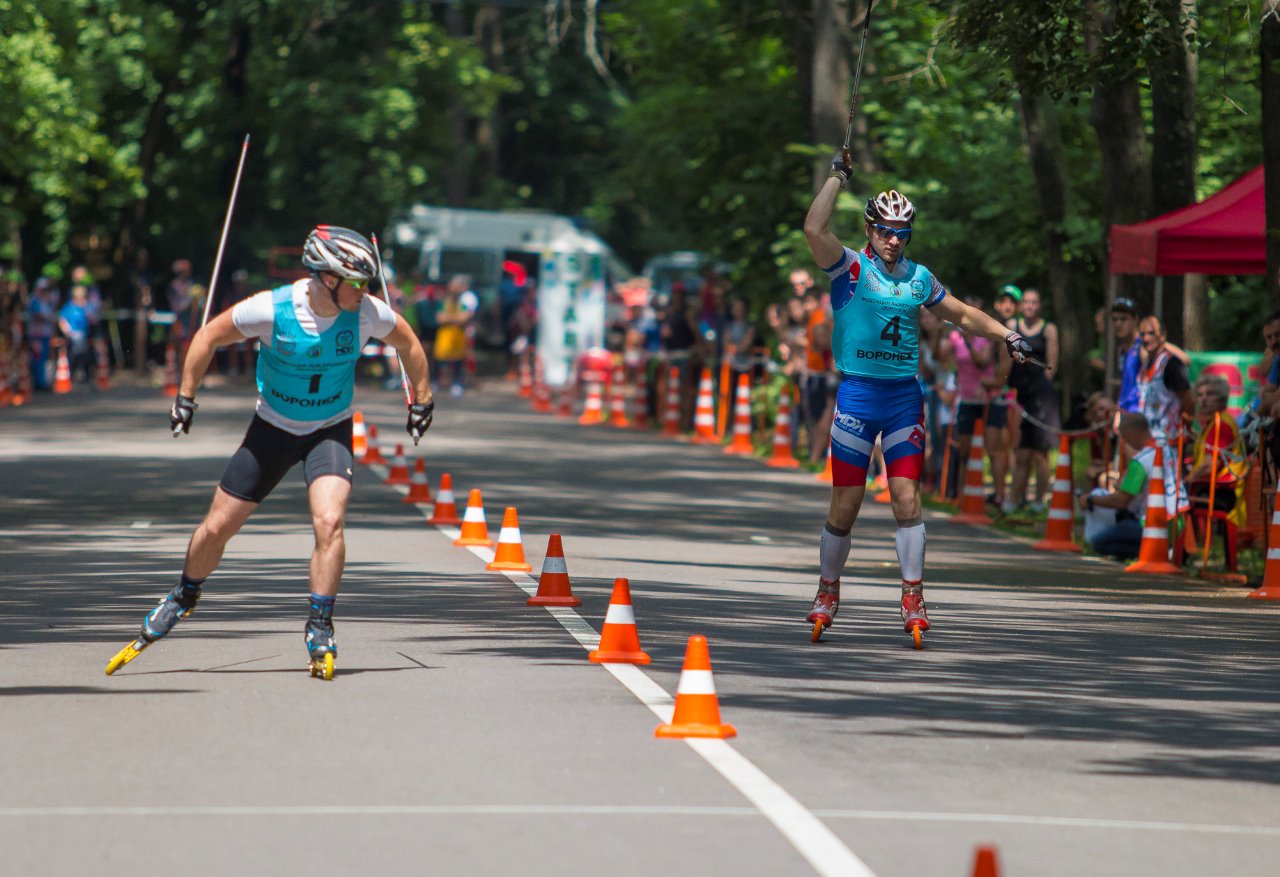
column 666, row 125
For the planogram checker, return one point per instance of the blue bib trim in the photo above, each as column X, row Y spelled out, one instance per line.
column 303, row 376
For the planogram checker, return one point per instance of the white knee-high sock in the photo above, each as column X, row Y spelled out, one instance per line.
column 910, row 544
column 833, row 551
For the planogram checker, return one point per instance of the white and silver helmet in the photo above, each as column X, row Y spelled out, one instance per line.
column 892, row 206
column 340, row 251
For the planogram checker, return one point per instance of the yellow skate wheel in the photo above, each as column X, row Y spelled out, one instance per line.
column 917, row 638
column 124, row 656
column 328, row 666
column 817, row 631
column 322, row 668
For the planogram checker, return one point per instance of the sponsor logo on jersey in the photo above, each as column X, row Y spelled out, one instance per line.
column 314, row 351
column 886, row 355
column 304, row 401
column 917, row 437
column 346, row 342
column 286, row 346
column 850, row 423
column 917, row 289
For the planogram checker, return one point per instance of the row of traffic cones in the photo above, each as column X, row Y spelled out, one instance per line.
column 697, row 708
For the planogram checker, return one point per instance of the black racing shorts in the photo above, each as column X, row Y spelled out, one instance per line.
column 967, row 414
column 268, row 452
column 1043, row 406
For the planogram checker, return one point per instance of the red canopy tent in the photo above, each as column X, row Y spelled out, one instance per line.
column 1223, row 234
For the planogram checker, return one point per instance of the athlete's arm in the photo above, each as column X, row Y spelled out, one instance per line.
column 1051, row 353
column 415, row 360
column 218, row 332
column 969, row 319
column 825, row 246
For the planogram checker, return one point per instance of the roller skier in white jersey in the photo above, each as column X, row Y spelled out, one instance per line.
column 876, row 296
column 310, row 334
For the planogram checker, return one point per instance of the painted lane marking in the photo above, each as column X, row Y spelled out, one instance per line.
column 626, row 810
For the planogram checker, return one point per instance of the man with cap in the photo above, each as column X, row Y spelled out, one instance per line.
column 1128, row 351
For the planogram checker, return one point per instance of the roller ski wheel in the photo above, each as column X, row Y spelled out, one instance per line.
column 917, row 638
column 127, row 654
column 322, row 667
column 825, row 606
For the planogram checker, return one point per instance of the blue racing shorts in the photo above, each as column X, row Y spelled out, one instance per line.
column 867, row 408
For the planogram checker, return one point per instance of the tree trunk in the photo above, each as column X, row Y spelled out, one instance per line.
column 829, row 101
column 1270, row 49
column 1071, row 308
column 1195, row 316
column 488, row 36
column 457, row 184
column 1173, row 141
column 1116, row 116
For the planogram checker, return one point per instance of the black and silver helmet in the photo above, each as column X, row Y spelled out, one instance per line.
column 891, row 205
column 340, row 251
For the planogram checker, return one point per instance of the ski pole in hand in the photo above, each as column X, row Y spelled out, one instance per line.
column 386, row 296
column 180, row 428
column 857, row 81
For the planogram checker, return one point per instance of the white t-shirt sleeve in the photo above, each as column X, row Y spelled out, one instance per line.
column 376, row 319
column 255, row 317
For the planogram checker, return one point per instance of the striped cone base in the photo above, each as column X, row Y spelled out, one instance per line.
column 554, row 588
column 1057, row 529
column 510, row 554
column 1270, row 589
column 619, row 639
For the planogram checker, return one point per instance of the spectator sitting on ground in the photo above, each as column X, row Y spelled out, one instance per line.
column 1114, row 520
column 1212, row 392
column 1101, row 412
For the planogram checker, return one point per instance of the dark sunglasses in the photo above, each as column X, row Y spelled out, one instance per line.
column 902, row 234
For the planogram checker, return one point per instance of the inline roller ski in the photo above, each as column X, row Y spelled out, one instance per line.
column 825, row 606
column 321, row 647
column 176, row 605
column 915, row 617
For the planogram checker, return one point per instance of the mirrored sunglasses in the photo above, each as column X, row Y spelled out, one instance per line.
column 902, row 234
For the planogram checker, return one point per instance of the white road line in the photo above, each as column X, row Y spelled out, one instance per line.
column 626, row 810
column 825, row 852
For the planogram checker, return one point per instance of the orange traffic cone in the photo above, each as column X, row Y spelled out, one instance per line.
column 1270, row 589
column 62, row 379
column 541, row 401
column 1057, row 529
column 593, row 410
column 170, row 370
column 474, row 529
column 553, row 584
column 704, row 416
column 6, row 396
column 985, row 864
column 419, row 490
column 566, row 401
column 697, row 712
column 526, row 379
column 618, row 399
column 21, row 380
column 882, row 484
column 741, row 443
column 510, row 553
column 399, row 473
column 619, row 641
column 101, row 365
column 640, row 399
column 445, row 511
column 359, row 437
column 671, row 411
column 373, row 453
column 973, row 500
column 782, row 458
column 1153, row 552
column 827, row 475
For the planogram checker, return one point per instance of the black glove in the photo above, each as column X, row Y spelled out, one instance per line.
column 181, row 414
column 1019, row 349
column 842, row 167
column 420, row 417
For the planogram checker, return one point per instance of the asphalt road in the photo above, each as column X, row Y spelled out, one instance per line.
column 1082, row 720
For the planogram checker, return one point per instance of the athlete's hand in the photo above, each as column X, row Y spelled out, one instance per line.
column 1019, row 349
column 181, row 414
column 420, row 417
column 842, row 167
